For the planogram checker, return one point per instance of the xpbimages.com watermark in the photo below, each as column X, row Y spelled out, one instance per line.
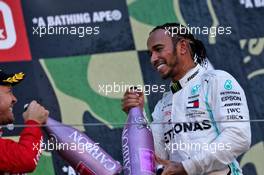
column 80, row 31
column 54, row 145
column 197, row 30
column 113, row 88
column 197, row 147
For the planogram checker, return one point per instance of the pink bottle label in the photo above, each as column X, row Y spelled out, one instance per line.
column 84, row 170
column 146, row 157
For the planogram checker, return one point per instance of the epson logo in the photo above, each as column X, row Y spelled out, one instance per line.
column 231, row 98
column 8, row 39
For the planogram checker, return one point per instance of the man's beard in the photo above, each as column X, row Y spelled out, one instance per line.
column 170, row 74
column 6, row 120
column 166, row 76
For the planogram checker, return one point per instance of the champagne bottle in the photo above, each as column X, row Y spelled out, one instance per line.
column 80, row 151
column 137, row 145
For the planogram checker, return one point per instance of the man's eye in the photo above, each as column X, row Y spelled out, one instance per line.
column 10, row 91
column 158, row 49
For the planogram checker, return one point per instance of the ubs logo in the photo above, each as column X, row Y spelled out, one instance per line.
column 7, row 28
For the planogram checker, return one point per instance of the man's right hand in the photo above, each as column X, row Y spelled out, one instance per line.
column 36, row 112
column 132, row 98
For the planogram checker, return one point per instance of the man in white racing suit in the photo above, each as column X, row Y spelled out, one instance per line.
column 201, row 126
column 209, row 129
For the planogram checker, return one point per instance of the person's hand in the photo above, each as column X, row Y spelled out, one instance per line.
column 170, row 167
column 36, row 112
column 132, row 98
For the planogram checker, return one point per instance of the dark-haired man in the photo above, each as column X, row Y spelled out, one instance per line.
column 205, row 111
column 22, row 156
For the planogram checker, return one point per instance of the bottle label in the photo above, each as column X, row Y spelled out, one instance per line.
column 126, row 154
column 84, row 170
column 147, row 160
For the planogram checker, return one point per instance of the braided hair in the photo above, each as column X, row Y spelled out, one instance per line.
column 176, row 31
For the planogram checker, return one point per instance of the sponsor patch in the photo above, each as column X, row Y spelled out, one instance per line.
column 193, row 104
column 229, row 92
column 233, row 110
column 167, row 113
column 168, row 105
column 231, row 98
column 233, row 104
column 228, row 85
column 193, row 75
column 195, row 96
column 186, row 127
column 195, row 89
column 234, row 117
column 195, row 113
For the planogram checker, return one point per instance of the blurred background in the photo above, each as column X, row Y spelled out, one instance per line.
column 95, row 43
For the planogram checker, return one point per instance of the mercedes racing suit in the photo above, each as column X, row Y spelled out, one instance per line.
column 204, row 123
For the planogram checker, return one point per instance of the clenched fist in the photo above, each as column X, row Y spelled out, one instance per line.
column 132, row 98
column 36, row 112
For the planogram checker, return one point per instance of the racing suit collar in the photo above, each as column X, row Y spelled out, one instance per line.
column 178, row 85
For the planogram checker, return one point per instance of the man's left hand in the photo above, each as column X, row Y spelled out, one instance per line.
column 170, row 167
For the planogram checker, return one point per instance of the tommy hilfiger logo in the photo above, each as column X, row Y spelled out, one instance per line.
column 193, row 104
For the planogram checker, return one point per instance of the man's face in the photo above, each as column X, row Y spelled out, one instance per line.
column 7, row 101
column 163, row 54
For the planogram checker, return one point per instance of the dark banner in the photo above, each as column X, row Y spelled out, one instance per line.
column 68, row 27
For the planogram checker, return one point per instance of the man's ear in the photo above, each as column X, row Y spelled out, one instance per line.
column 183, row 46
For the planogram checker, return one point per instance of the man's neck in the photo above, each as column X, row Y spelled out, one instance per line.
column 185, row 70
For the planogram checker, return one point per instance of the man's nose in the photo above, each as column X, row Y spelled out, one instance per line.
column 154, row 58
column 14, row 99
